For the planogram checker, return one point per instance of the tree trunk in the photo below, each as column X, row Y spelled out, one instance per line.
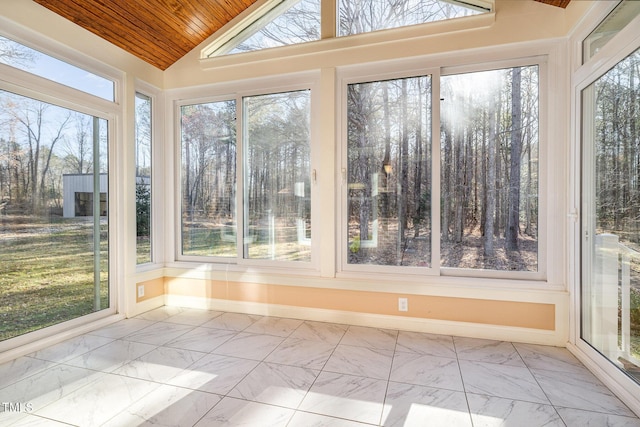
column 404, row 166
column 385, row 168
column 446, row 182
column 483, row 178
column 458, row 220
column 362, row 167
column 513, row 218
column 633, row 171
column 417, row 194
column 45, row 168
column 498, row 220
column 489, row 249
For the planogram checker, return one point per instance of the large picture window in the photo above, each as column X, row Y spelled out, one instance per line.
column 373, row 15
column 389, row 172
column 208, row 133
column 35, row 62
column 54, row 228
column 277, row 181
column 489, row 169
column 289, row 22
column 484, row 193
column 143, row 178
column 269, row 218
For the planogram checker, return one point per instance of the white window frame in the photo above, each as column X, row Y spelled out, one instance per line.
column 541, row 272
column 238, row 91
column 157, row 197
column 541, row 55
column 32, row 86
column 241, row 24
column 179, row 256
column 65, row 54
column 483, row 6
column 618, row 48
column 209, row 55
column 362, row 74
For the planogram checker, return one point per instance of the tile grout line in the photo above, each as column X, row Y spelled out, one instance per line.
column 320, row 371
column 386, row 392
column 464, row 387
column 539, row 385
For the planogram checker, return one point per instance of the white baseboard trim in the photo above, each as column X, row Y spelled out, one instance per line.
column 462, row 329
column 147, row 305
column 616, row 381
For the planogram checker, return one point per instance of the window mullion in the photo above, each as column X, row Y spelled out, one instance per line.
column 241, row 199
column 328, row 18
column 435, row 172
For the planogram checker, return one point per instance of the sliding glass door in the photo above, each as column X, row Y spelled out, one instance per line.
column 610, row 319
column 54, row 202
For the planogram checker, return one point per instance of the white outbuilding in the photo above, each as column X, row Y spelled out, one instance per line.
column 78, row 195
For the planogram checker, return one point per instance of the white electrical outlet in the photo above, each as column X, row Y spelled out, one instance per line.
column 140, row 291
column 403, row 304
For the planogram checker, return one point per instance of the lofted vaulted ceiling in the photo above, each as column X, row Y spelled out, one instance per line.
column 158, row 31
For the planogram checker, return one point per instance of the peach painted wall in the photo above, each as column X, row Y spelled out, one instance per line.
column 491, row 312
column 152, row 289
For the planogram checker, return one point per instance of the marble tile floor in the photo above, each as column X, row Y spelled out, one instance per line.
column 187, row 367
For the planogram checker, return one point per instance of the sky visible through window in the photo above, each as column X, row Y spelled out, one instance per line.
column 298, row 21
column 24, row 58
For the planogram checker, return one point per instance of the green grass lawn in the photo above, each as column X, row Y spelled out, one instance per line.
column 206, row 240
column 143, row 249
column 46, row 273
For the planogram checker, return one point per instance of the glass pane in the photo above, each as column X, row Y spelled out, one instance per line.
column 24, row 58
column 611, row 216
column 143, row 179
column 373, row 15
column 277, row 183
column 489, row 170
column 54, row 250
column 289, row 22
column 389, row 172
column 622, row 15
column 209, row 179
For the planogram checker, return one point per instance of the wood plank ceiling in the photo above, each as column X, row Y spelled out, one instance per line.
column 158, row 31
column 560, row 3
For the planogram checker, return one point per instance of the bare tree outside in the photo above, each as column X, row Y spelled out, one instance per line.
column 373, row 15
column 489, row 170
column 290, row 23
column 294, row 22
column 209, row 179
column 276, row 203
column 54, row 251
column 143, row 178
column 277, row 188
column 611, row 214
column 12, row 53
column 389, row 172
